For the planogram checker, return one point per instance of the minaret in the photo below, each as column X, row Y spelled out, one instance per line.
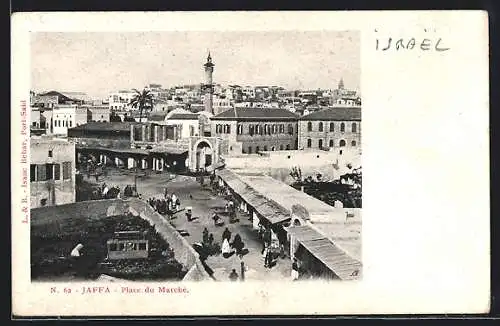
column 209, row 69
column 341, row 83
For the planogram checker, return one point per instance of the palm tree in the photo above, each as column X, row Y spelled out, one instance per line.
column 143, row 100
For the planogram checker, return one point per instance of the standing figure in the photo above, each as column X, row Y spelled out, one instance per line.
column 268, row 259
column 205, row 236
column 238, row 245
column 174, row 200
column 295, row 270
column 226, row 249
column 165, row 194
column 233, row 276
column 226, row 234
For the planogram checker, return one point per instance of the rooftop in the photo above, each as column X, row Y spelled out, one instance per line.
column 104, row 126
column 336, row 114
column 184, row 116
column 287, row 196
column 157, row 116
column 336, row 258
column 240, row 113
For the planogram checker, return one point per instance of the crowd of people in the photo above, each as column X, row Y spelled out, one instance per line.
column 106, row 192
column 170, row 203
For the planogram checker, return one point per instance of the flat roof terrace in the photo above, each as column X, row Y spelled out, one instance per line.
column 286, row 196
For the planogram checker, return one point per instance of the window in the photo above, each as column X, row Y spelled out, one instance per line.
column 272, row 148
column 290, row 129
column 251, row 131
column 228, row 129
column 353, row 143
column 331, row 143
column 266, row 129
column 354, row 127
column 332, row 126
column 57, row 172
column 320, row 127
column 288, row 147
column 33, row 172
column 34, row 124
column 342, row 143
column 281, row 147
column 265, row 148
column 49, row 171
column 309, row 126
column 50, row 153
column 66, row 170
column 309, row 143
column 320, row 143
column 113, row 247
column 239, row 129
column 257, row 149
column 249, row 149
column 71, row 124
column 261, row 130
column 121, row 246
column 41, row 174
column 102, row 117
column 142, row 246
column 342, row 127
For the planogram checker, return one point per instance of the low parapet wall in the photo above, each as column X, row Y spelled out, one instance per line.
column 54, row 219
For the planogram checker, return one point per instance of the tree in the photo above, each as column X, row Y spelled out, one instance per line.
column 143, row 101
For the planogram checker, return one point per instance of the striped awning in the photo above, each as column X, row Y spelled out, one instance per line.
column 334, row 258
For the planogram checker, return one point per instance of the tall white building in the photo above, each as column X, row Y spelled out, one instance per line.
column 120, row 101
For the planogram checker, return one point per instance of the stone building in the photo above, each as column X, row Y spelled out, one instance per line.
column 52, row 171
column 250, row 130
column 331, row 128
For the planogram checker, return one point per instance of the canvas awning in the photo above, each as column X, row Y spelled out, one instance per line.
column 334, row 258
column 264, row 206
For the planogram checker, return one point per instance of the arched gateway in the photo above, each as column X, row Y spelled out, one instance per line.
column 205, row 153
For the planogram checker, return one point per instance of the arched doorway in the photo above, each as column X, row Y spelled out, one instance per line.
column 204, row 155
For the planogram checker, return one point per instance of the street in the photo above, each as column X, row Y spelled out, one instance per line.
column 203, row 203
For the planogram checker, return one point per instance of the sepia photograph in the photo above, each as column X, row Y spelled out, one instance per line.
column 195, row 156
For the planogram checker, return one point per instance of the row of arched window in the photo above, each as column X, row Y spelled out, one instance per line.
column 250, row 149
column 342, row 143
column 266, row 129
column 222, row 129
column 63, row 123
column 331, row 127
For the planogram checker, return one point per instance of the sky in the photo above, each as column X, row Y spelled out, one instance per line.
column 100, row 63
